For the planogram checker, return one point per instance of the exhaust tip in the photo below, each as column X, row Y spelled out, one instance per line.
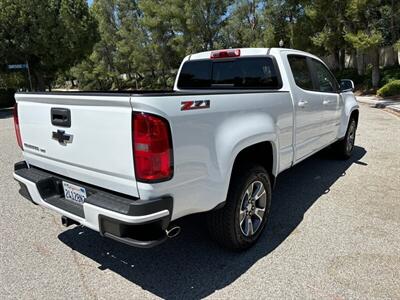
column 173, row 231
column 66, row 222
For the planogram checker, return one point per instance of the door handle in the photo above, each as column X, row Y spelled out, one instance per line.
column 302, row 103
column 326, row 102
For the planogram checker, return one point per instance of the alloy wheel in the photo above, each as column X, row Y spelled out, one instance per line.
column 252, row 208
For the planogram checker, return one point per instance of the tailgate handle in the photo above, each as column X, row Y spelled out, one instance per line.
column 61, row 117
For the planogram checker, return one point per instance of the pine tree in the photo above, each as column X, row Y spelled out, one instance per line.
column 51, row 35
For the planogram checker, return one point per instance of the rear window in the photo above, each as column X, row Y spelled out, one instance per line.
column 241, row 73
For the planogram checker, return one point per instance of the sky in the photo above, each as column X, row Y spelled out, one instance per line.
column 90, row 2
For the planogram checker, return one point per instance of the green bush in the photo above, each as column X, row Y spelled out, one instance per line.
column 389, row 74
column 390, row 89
column 397, row 45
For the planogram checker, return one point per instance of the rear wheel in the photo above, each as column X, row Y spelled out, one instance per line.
column 240, row 222
column 344, row 148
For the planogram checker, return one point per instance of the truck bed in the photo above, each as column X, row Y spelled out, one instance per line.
column 204, row 140
column 153, row 93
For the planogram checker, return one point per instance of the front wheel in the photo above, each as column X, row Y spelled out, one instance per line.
column 344, row 148
column 240, row 222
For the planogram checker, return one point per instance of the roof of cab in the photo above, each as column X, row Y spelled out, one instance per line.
column 243, row 52
column 248, row 52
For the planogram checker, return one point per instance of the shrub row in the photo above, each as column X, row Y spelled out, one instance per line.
column 390, row 89
column 387, row 75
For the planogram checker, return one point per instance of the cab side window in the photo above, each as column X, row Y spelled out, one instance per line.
column 301, row 72
column 326, row 81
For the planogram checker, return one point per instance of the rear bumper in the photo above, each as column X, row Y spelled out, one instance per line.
column 133, row 221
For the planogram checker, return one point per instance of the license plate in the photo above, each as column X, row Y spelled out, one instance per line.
column 74, row 193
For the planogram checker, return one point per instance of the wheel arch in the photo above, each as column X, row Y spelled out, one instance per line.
column 354, row 114
column 262, row 153
column 350, row 109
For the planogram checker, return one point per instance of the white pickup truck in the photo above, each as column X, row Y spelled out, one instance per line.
column 128, row 164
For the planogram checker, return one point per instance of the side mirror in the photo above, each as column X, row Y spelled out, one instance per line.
column 346, row 85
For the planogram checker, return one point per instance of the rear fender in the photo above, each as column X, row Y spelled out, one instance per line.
column 240, row 132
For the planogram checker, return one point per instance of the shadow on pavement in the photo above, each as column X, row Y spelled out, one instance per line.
column 6, row 113
column 193, row 266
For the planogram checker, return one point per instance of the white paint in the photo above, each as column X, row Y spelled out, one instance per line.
column 205, row 142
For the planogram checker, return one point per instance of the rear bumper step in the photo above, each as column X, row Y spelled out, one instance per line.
column 140, row 223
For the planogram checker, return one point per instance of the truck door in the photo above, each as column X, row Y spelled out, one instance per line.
column 308, row 107
column 329, row 90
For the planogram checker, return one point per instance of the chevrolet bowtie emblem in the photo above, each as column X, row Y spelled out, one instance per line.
column 62, row 137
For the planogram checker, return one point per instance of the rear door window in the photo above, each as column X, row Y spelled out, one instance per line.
column 241, row 73
column 301, row 72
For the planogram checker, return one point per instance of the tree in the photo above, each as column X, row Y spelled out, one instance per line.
column 131, row 55
column 368, row 41
column 284, row 20
column 175, row 28
column 204, row 20
column 51, row 35
column 245, row 25
column 327, row 16
column 363, row 31
column 163, row 44
column 118, row 52
column 142, row 42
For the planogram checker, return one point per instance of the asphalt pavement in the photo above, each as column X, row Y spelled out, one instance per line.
column 334, row 233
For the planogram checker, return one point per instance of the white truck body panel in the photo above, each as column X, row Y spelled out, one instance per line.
column 205, row 142
column 101, row 149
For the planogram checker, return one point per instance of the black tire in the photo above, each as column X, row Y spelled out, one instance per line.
column 224, row 224
column 344, row 147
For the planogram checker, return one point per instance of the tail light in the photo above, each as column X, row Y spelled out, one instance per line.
column 152, row 148
column 225, row 53
column 16, row 125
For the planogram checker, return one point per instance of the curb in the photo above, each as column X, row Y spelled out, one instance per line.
column 374, row 102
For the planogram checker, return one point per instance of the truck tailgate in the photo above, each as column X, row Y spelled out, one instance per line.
column 96, row 147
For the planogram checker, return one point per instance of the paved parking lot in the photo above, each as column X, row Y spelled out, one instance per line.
column 334, row 233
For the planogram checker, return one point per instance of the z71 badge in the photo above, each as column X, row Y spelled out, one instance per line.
column 197, row 104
